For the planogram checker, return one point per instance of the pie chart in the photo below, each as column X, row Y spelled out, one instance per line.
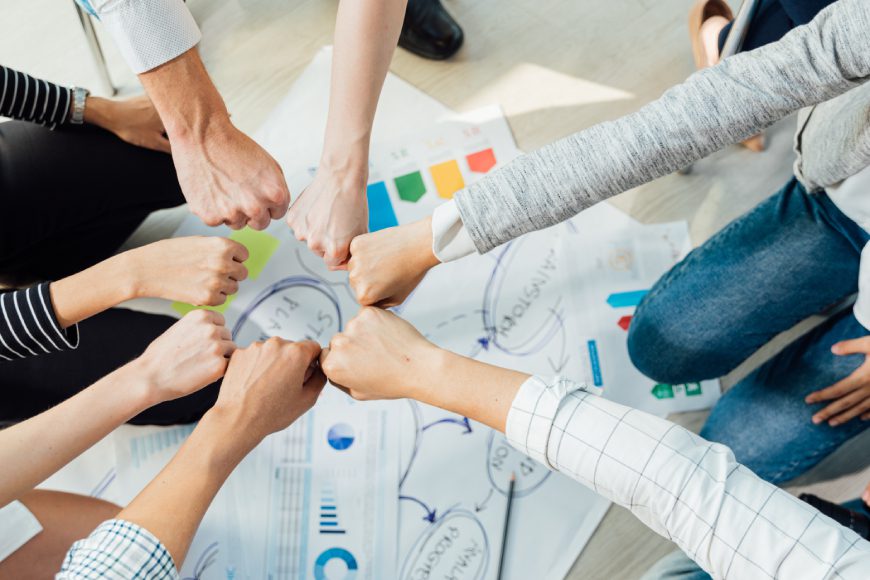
column 340, row 436
column 326, row 558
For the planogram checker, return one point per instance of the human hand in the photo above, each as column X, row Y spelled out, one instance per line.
column 269, row 385
column 133, row 120
column 191, row 354
column 228, row 179
column 198, row 270
column 850, row 396
column 866, row 495
column 386, row 266
column 379, row 356
column 330, row 213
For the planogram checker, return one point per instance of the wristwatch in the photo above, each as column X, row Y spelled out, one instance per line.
column 80, row 95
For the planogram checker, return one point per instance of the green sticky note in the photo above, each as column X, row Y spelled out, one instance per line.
column 663, row 391
column 260, row 246
column 411, row 187
column 693, row 389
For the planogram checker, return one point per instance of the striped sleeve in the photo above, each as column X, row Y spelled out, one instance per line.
column 29, row 326
column 26, row 98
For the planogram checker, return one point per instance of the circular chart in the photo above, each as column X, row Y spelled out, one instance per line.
column 330, row 562
column 340, row 436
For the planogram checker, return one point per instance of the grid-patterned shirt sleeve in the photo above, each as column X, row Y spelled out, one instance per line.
column 29, row 99
column 148, row 32
column 692, row 491
column 118, row 550
column 29, row 326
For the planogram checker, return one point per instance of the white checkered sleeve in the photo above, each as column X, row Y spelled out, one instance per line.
column 118, row 550
column 148, row 32
column 733, row 524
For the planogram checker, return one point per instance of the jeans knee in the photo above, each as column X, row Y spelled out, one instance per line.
column 669, row 344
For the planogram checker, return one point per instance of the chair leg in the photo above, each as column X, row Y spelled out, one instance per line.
column 96, row 50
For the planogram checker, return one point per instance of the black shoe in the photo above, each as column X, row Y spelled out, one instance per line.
column 429, row 31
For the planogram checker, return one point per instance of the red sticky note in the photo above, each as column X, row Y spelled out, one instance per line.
column 624, row 322
column 482, row 161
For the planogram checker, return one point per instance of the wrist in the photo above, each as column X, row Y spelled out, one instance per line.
column 421, row 245
column 125, row 269
column 230, row 421
column 429, row 385
column 349, row 164
column 98, row 111
column 140, row 384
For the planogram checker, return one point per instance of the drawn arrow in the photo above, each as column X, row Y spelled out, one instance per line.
column 430, row 514
column 479, row 507
column 484, row 342
column 464, row 422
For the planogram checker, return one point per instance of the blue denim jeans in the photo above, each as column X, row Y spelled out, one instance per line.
column 792, row 256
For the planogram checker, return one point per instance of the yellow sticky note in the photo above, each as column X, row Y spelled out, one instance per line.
column 260, row 246
column 448, row 179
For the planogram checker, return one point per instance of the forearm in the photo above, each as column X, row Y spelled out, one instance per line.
column 366, row 34
column 173, row 504
column 713, row 108
column 190, row 106
column 467, row 387
column 34, row 449
column 94, row 290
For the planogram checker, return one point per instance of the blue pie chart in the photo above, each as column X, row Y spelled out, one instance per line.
column 340, row 436
column 335, row 554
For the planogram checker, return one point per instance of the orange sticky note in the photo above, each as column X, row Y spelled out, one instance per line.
column 482, row 161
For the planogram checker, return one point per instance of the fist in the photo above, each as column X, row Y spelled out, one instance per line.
column 198, row 270
column 378, row 356
column 191, row 354
column 386, row 266
column 270, row 384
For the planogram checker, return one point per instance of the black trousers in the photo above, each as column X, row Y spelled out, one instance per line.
column 69, row 199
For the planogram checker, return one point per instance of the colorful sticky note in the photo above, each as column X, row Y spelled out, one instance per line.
column 381, row 213
column 693, row 389
column 626, row 299
column 624, row 322
column 482, row 161
column 448, row 178
column 260, row 247
column 410, row 186
column 663, row 391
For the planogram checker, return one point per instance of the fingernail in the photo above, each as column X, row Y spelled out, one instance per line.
column 833, row 423
column 817, row 420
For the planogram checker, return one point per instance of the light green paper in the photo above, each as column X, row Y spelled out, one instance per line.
column 260, row 246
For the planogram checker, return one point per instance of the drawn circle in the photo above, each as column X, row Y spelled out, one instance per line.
column 340, row 436
column 295, row 308
column 508, row 318
column 502, row 460
column 457, row 533
column 335, row 554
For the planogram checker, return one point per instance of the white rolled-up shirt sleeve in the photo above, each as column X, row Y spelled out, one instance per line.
column 450, row 239
column 692, row 491
column 148, row 33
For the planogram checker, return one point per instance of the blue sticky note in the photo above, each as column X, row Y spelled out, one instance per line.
column 626, row 299
column 381, row 213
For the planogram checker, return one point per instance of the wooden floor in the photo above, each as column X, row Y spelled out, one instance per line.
column 556, row 66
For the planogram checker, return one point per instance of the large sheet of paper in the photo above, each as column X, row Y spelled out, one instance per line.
column 416, row 492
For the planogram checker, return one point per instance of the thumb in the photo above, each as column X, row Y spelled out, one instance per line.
column 853, row 346
column 324, row 353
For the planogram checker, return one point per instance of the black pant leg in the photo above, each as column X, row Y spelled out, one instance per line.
column 109, row 340
column 71, row 197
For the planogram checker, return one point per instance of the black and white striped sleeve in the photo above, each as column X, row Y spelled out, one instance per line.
column 29, row 327
column 26, row 98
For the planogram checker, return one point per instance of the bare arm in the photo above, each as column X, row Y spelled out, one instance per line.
column 267, row 387
column 683, row 487
column 333, row 210
column 184, row 359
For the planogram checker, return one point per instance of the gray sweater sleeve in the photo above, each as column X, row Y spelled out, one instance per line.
column 715, row 107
